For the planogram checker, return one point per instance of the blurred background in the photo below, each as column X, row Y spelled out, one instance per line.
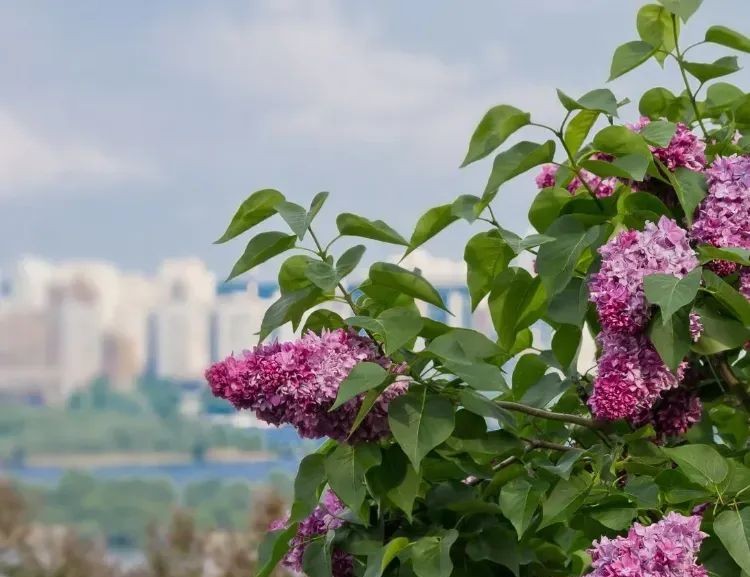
column 129, row 134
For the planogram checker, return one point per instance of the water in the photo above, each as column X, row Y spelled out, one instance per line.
column 180, row 474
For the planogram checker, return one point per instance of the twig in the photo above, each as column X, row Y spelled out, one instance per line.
column 549, row 415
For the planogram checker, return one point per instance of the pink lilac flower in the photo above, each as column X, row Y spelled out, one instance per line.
column 673, row 414
column 723, row 218
column 696, row 327
column 745, row 283
column 631, row 377
column 325, row 517
column 602, row 187
column 617, row 289
column 668, row 548
column 684, row 150
column 297, row 383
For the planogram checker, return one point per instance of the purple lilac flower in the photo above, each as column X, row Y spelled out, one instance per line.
column 297, row 383
column 745, row 283
column 674, row 413
column 325, row 517
column 602, row 187
column 684, row 150
column 617, row 289
column 723, row 218
column 668, row 548
column 631, row 377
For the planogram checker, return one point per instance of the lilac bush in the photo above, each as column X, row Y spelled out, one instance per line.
column 602, row 428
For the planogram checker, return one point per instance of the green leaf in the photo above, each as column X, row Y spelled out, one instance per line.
column 262, row 247
column 701, row 464
column 629, row 166
column 384, row 557
column 368, row 402
column 349, row 260
column 671, row 338
column 691, row 189
column 615, row 518
column 655, row 102
column 682, row 8
column 496, row 126
column 518, row 244
column 293, row 273
column 556, row 262
column 723, row 95
column 733, row 530
column 400, row 326
column 569, row 306
column 354, row 225
column 705, row 72
column 498, row 545
column 420, row 422
column 409, row 283
column 316, row 559
column 728, row 296
column 431, row 555
column 322, row 319
column 621, row 141
column 659, row 132
column 655, row 27
column 517, row 301
column 519, row 500
column 317, row 203
column 628, row 56
column 514, row 161
column 307, row 485
column 273, row 548
column 729, row 38
column 670, row 293
column 707, row 253
column 719, row 333
column 467, row 206
column 430, row 224
column 322, row 275
column 578, row 129
column 546, row 207
column 486, row 255
column 346, row 467
column 290, row 307
column 363, row 377
column 565, row 344
column 404, row 495
column 565, row 463
column 464, row 345
column 295, row 216
column 599, row 100
column 255, row 209
column 566, row 497
column 480, row 405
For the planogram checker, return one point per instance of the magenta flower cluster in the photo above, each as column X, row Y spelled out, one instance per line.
column 674, row 413
column 297, row 383
column 325, row 517
column 602, row 187
column 668, row 548
column 617, row 289
column 684, row 150
column 723, row 218
column 631, row 375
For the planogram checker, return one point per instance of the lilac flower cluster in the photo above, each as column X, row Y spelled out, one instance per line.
column 668, row 548
column 297, row 383
column 723, row 218
column 617, row 289
column 684, row 150
column 602, row 187
column 325, row 517
column 696, row 327
column 631, row 376
column 674, row 413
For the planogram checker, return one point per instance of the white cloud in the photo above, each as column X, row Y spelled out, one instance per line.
column 29, row 160
column 330, row 79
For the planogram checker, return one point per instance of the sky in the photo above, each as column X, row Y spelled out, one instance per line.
column 131, row 131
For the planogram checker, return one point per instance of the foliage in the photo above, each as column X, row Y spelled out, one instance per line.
column 642, row 233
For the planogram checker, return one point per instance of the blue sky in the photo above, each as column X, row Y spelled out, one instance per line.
column 130, row 131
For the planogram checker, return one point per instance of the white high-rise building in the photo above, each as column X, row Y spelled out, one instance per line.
column 237, row 320
column 185, row 294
